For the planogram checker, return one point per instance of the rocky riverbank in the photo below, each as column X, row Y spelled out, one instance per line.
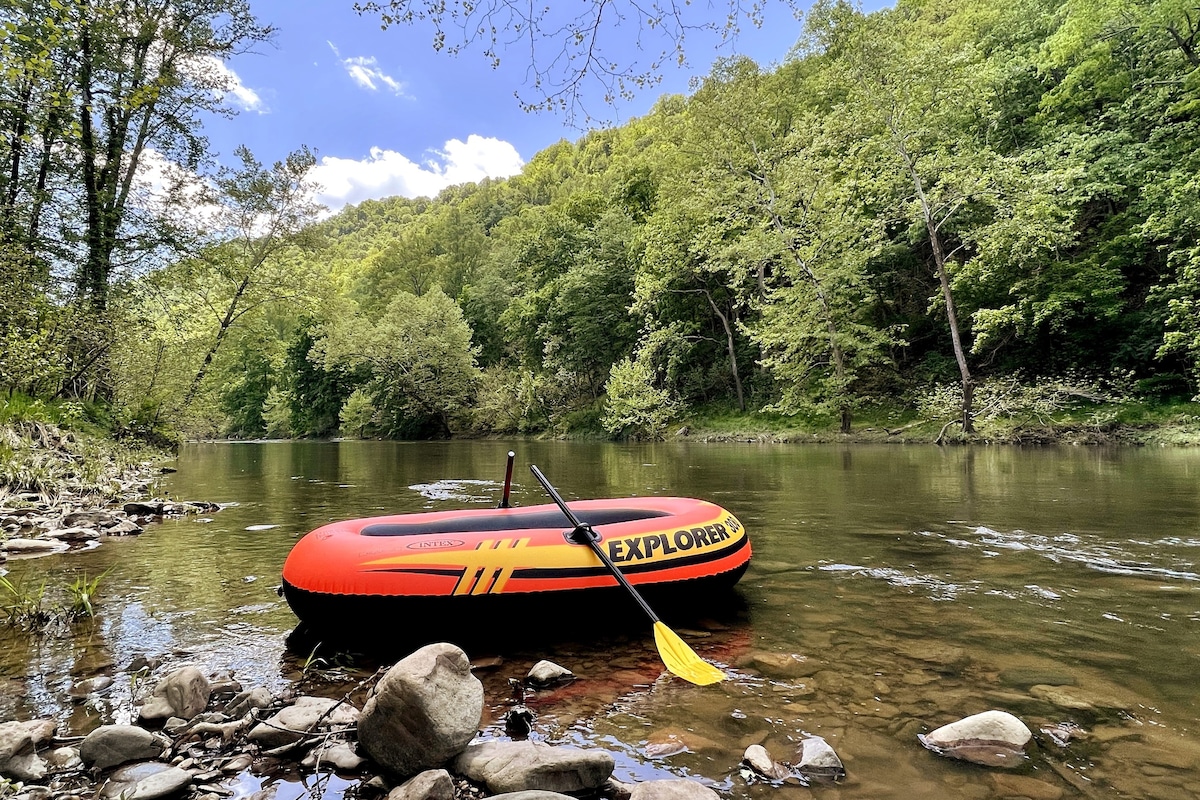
column 415, row 737
column 61, row 491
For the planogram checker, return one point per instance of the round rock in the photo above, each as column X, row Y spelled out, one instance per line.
column 432, row 784
column 307, row 715
column 18, row 758
column 546, row 673
column 110, row 745
column 758, row 759
column 184, row 693
column 520, row 766
column 424, row 711
column 993, row 739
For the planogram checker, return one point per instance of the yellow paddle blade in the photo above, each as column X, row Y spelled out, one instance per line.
column 681, row 660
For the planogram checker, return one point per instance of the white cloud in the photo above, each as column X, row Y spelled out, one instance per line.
column 365, row 71
column 386, row 173
column 230, row 84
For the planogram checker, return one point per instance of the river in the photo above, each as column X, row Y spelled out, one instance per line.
column 893, row 589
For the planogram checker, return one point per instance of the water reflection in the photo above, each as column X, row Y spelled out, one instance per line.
column 894, row 589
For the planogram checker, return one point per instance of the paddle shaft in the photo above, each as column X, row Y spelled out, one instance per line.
column 593, row 541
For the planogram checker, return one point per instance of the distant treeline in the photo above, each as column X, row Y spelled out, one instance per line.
column 941, row 205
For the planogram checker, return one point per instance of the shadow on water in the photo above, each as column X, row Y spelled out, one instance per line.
column 547, row 625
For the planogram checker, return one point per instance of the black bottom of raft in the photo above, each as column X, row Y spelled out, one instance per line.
column 381, row 622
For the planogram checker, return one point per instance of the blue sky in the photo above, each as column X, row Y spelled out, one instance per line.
column 388, row 115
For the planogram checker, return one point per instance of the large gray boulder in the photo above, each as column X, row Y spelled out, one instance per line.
column 110, row 745
column 184, row 693
column 423, row 712
column 524, row 766
column 17, row 757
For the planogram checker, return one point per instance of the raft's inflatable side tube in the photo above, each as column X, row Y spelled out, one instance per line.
column 464, row 562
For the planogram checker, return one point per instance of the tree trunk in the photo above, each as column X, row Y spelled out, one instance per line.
column 729, row 343
column 226, row 323
column 968, row 383
column 939, row 260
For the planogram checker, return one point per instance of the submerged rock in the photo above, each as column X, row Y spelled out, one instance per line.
column 34, row 546
column 546, row 673
column 993, row 739
column 91, row 686
column 819, row 761
column 424, row 711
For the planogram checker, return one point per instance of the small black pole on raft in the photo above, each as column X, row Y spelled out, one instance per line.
column 507, row 479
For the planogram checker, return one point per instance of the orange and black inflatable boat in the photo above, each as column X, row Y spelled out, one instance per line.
column 449, row 567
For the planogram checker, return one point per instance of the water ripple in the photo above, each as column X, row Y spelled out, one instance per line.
column 1132, row 557
column 459, row 490
column 937, row 588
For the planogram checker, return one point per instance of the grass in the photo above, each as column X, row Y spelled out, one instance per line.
column 27, row 606
column 38, row 455
column 1127, row 422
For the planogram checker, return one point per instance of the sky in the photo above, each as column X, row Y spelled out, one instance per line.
column 388, row 115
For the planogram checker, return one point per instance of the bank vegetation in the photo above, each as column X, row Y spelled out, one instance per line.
column 948, row 220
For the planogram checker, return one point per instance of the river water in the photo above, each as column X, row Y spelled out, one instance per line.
column 893, row 589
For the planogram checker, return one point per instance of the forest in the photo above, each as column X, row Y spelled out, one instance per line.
column 953, row 211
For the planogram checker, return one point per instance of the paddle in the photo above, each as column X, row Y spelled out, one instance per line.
column 680, row 659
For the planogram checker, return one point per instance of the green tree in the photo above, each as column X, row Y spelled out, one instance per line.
column 264, row 212
column 315, row 395
column 635, row 406
column 419, row 357
column 916, row 92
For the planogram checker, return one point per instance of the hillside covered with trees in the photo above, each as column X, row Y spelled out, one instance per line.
column 951, row 210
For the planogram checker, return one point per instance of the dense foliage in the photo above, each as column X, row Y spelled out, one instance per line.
column 950, row 205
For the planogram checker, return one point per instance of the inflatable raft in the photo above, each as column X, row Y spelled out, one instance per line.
column 441, row 568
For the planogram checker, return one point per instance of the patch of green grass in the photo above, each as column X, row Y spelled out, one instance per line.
column 869, row 424
column 24, row 604
column 28, row 606
column 81, row 595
